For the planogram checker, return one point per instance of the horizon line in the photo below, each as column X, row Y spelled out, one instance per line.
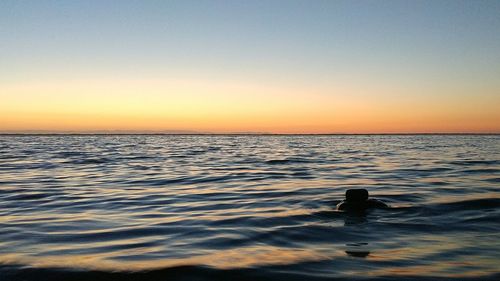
column 237, row 133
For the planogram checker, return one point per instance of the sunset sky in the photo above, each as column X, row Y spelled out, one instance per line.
column 250, row 66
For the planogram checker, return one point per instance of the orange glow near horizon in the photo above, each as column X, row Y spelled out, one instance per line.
column 266, row 67
column 199, row 105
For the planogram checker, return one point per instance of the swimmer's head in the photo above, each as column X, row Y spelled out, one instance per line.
column 356, row 195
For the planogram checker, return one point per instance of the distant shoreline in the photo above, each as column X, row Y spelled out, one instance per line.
column 248, row 134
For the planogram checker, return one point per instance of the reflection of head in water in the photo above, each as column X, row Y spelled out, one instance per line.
column 356, row 200
column 358, row 254
column 355, row 218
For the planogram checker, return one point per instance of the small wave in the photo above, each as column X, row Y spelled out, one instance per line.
column 137, row 157
column 29, row 166
column 445, row 208
column 28, row 151
column 475, row 204
column 158, row 182
column 69, row 154
column 196, row 152
column 28, row 196
column 288, row 161
column 278, row 161
column 423, row 171
column 203, row 273
column 474, row 162
column 111, row 234
column 481, row 171
column 89, row 161
column 493, row 180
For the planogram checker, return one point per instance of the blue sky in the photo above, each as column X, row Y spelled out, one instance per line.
column 443, row 47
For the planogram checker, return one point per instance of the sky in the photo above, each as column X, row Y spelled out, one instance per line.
column 250, row 66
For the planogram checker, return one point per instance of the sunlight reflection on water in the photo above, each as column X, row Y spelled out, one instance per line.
column 251, row 202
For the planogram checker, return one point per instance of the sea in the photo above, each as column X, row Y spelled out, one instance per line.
column 248, row 207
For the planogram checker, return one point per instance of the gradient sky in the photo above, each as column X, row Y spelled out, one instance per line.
column 259, row 66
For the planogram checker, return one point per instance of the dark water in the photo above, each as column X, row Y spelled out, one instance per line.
column 248, row 207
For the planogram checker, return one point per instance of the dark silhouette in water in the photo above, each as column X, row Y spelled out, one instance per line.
column 358, row 254
column 357, row 200
column 357, row 250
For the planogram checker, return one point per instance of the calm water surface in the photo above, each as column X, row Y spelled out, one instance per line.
column 247, row 207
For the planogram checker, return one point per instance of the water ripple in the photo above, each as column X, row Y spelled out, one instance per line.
column 248, row 207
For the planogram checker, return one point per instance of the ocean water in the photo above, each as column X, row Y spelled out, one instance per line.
column 202, row 207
